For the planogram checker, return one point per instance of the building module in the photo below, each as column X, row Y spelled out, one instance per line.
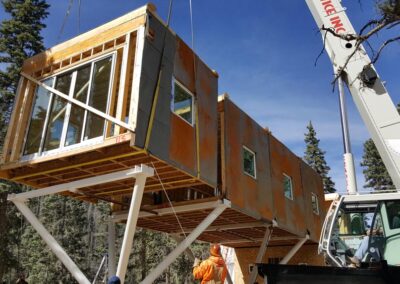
column 128, row 114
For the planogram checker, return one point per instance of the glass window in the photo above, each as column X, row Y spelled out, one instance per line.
column 249, row 162
column 57, row 114
column 55, row 122
column 98, row 97
column 288, row 186
column 75, row 124
column 393, row 213
column 182, row 102
column 38, row 119
column 314, row 202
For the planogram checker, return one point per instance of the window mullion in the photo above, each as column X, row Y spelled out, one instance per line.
column 68, row 110
column 87, row 102
column 46, row 121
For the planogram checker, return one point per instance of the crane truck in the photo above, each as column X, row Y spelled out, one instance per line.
column 345, row 225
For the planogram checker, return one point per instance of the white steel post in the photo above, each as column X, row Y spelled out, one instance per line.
column 184, row 244
column 293, row 251
column 51, row 242
column 349, row 169
column 261, row 253
column 131, row 224
column 111, row 249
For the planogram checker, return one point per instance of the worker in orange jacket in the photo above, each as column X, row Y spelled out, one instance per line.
column 212, row 270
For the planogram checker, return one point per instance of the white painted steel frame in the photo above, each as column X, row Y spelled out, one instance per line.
column 131, row 225
column 51, row 242
column 294, row 249
column 140, row 173
column 184, row 244
column 261, row 252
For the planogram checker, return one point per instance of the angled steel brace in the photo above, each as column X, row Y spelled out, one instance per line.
column 294, row 249
column 184, row 244
column 140, row 173
column 261, row 252
column 51, row 242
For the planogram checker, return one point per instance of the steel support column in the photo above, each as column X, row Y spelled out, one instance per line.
column 294, row 249
column 261, row 252
column 184, row 244
column 131, row 223
column 111, row 249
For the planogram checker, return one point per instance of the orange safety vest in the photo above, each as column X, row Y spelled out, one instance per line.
column 213, row 270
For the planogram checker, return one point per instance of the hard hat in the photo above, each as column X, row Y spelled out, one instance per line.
column 215, row 250
column 114, row 280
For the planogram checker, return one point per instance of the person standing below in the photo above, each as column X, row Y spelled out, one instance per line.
column 213, row 270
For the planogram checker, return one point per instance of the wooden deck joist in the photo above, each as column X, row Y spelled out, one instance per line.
column 107, row 157
column 233, row 228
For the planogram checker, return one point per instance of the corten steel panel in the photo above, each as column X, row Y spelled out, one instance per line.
column 290, row 214
column 171, row 138
column 204, row 85
column 244, row 191
column 312, row 183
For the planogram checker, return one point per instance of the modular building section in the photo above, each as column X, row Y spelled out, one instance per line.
column 263, row 177
column 131, row 92
column 154, row 101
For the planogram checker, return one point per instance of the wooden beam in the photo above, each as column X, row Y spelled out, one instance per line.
column 7, row 149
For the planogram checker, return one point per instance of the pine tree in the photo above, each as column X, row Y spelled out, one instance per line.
column 375, row 173
column 19, row 39
column 315, row 158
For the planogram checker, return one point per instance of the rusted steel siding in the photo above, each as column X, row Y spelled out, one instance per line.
column 290, row 214
column 252, row 194
column 264, row 195
column 312, row 183
column 171, row 138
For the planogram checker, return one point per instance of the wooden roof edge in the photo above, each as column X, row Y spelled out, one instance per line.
column 97, row 30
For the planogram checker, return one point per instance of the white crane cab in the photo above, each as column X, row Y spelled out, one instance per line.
column 365, row 227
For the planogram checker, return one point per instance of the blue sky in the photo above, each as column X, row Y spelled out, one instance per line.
column 264, row 52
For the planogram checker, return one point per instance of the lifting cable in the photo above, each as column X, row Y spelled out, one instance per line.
column 196, row 113
column 65, row 19
column 169, row 200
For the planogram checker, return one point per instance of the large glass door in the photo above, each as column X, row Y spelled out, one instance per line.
column 55, row 123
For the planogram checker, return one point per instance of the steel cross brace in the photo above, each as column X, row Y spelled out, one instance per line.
column 140, row 173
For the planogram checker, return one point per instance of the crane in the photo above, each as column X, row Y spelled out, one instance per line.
column 353, row 215
column 343, row 228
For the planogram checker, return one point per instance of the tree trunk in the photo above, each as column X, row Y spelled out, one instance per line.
column 3, row 230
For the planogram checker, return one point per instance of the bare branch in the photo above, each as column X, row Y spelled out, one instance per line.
column 376, row 57
column 322, row 50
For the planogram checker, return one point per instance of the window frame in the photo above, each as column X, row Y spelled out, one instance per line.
column 291, row 187
column 244, row 148
column 88, row 142
column 315, row 196
column 175, row 81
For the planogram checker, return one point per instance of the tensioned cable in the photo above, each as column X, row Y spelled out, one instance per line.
column 79, row 16
column 169, row 12
column 169, row 200
column 65, row 18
